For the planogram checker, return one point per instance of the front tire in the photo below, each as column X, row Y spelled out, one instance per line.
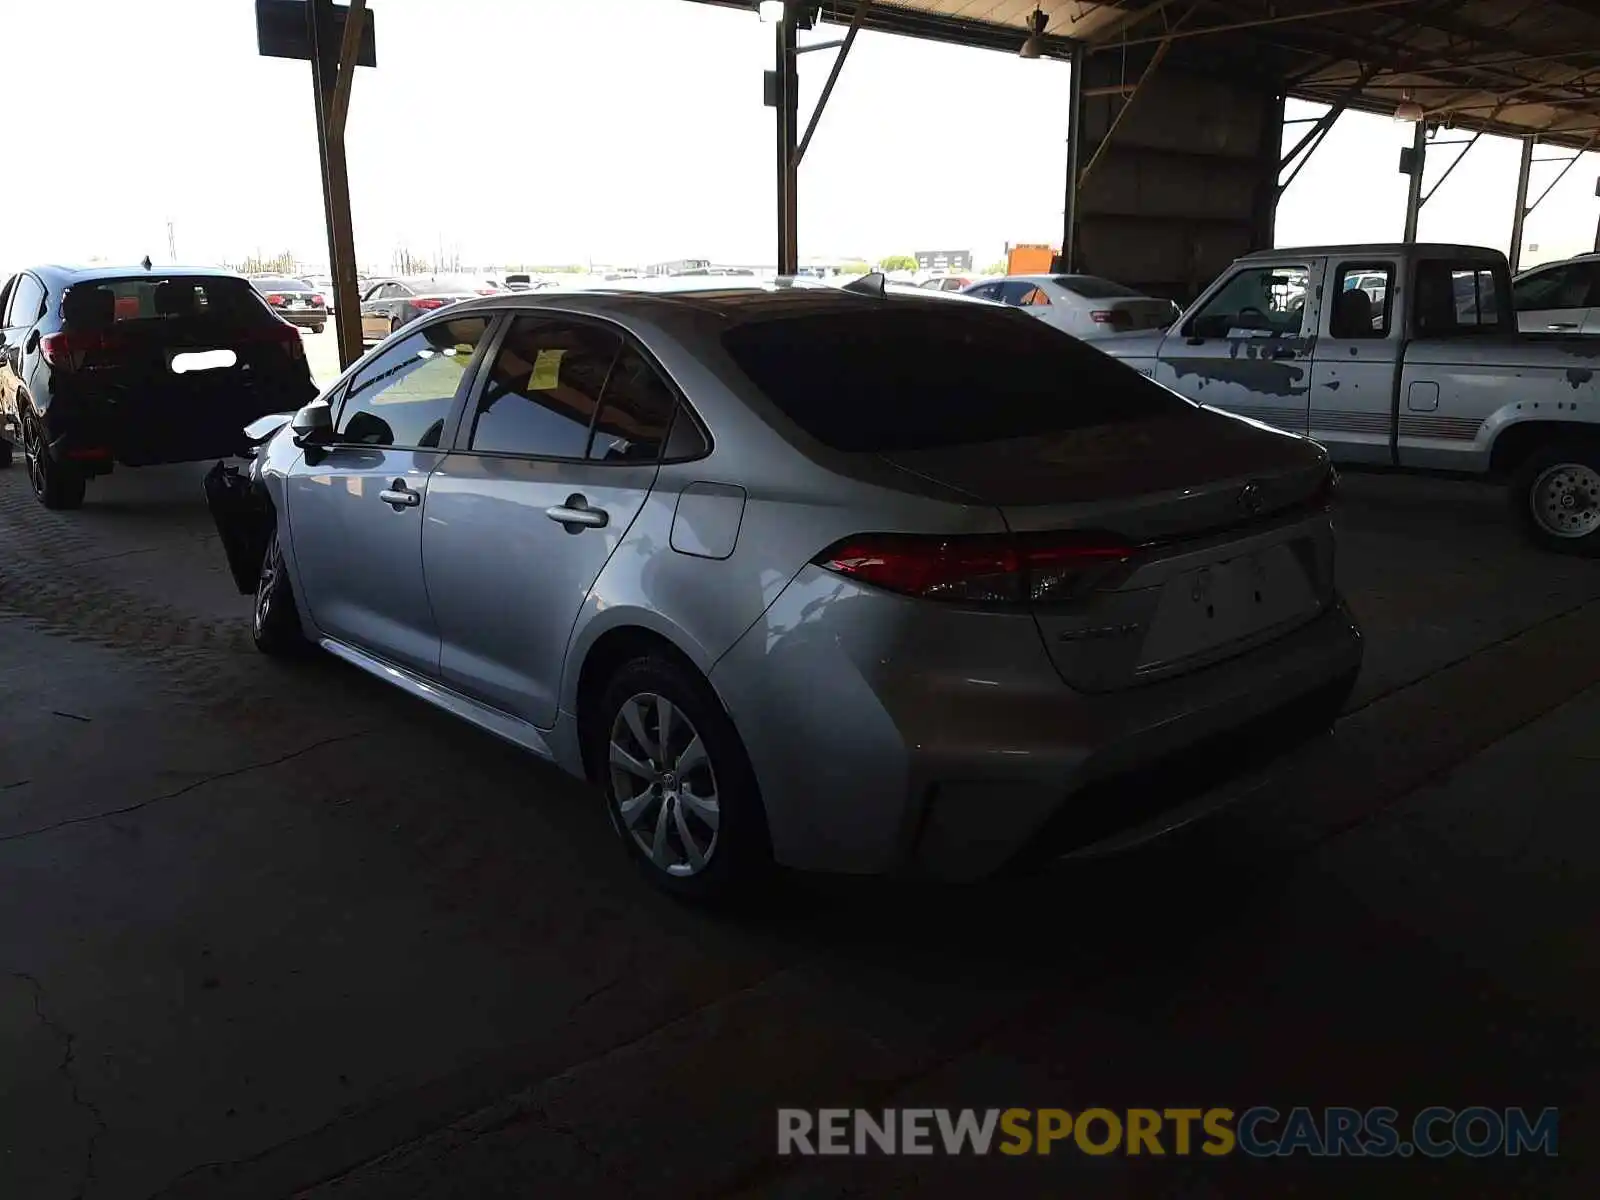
column 1555, row 494
column 55, row 485
column 678, row 784
column 274, row 620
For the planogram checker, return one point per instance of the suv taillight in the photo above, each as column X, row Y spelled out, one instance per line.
column 1022, row 570
column 64, row 350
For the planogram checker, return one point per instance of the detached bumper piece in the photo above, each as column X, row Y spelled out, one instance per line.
column 244, row 521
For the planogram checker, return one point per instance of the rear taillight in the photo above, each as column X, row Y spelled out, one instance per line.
column 428, row 302
column 1117, row 318
column 1026, row 569
column 317, row 300
column 277, row 301
column 66, row 350
column 278, row 332
column 488, row 291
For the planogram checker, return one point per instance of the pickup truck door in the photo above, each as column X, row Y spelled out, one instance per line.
column 1246, row 348
column 1357, row 361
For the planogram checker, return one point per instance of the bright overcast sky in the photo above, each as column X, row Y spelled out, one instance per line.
column 617, row 131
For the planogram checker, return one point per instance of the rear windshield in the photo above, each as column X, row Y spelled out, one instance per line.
column 152, row 298
column 1092, row 287
column 911, row 375
column 282, row 285
column 442, row 287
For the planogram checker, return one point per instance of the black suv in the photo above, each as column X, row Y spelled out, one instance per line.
column 136, row 365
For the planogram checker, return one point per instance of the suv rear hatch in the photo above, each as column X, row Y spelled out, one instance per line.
column 1154, row 536
column 168, row 368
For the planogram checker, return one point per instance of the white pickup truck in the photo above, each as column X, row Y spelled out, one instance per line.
column 1398, row 356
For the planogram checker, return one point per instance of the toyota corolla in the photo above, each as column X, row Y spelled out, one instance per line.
column 795, row 575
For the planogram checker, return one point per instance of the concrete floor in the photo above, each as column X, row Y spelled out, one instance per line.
column 269, row 929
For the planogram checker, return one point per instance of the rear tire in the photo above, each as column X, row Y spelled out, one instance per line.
column 6, row 454
column 318, row 328
column 56, row 485
column 1555, row 496
column 688, row 811
column 274, row 620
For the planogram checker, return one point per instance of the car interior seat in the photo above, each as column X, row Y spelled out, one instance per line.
column 1352, row 314
column 85, row 307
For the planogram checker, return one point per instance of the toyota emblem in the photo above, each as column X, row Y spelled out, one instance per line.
column 1250, row 497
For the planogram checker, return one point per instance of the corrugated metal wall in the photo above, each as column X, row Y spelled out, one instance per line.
column 1187, row 183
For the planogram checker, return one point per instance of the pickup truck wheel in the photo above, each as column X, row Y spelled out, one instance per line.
column 1556, row 494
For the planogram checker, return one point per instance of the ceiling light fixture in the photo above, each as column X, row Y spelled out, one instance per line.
column 1034, row 42
column 770, row 11
column 1408, row 110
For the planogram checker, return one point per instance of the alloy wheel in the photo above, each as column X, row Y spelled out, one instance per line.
column 1565, row 500
column 663, row 784
column 33, row 454
column 266, row 590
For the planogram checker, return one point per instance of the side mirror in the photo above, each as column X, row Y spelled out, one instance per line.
column 313, row 424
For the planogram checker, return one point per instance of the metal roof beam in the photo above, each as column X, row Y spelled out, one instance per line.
column 1255, row 23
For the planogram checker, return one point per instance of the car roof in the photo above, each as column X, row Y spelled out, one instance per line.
column 66, row 276
column 732, row 304
column 1363, row 249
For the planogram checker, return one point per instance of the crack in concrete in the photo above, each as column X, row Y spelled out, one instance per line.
column 68, row 1042
column 188, row 787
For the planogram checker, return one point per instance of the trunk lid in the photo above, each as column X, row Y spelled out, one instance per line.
column 1138, row 315
column 1229, row 543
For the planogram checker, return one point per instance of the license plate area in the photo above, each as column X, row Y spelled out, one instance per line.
column 1234, row 599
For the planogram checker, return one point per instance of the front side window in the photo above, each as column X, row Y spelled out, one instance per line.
column 1256, row 302
column 1361, row 302
column 541, row 393
column 403, row 396
column 27, row 302
column 1455, row 298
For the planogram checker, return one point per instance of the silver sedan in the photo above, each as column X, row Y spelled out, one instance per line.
column 796, row 575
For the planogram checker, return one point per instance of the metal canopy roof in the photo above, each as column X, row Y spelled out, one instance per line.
column 1512, row 67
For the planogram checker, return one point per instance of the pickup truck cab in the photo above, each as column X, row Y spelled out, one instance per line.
column 1398, row 356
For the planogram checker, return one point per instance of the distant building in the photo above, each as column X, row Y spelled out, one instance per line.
column 941, row 261
column 680, row 266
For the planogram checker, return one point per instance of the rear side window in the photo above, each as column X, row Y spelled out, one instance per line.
column 635, row 412
column 543, row 389
column 886, row 378
column 1459, row 298
column 404, row 396
column 1362, row 299
column 27, row 302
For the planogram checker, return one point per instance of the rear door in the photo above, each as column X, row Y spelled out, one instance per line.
column 1357, row 359
column 1247, row 348
column 1558, row 298
column 554, row 458
column 356, row 510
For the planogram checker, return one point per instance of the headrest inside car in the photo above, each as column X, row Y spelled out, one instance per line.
column 87, row 307
column 174, row 298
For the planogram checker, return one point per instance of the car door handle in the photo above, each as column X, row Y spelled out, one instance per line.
column 399, row 495
column 576, row 515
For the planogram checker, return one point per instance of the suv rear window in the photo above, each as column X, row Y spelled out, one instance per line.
column 893, row 378
column 153, row 298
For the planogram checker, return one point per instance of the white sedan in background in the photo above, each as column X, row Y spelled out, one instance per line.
column 1085, row 306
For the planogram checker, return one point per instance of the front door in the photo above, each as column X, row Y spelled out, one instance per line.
column 375, row 311
column 356, row 508
column 554, row 459
column 1248, row 347
column 1357, row 360
column 1558, row 298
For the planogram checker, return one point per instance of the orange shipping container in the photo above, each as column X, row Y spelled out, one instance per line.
column 1030, row 260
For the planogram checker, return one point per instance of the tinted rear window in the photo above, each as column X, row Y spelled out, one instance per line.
column 1092, row 287
column 153, row 298
column 912, row 376
column 281, row 285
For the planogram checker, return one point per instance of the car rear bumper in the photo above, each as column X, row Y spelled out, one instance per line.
column 303, row 317
column 913, row 754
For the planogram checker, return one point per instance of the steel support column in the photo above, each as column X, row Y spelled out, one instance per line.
column 786, row 70
column 1069, row 214
column 1419, row 157
column 1520, row 212
column 332, row 65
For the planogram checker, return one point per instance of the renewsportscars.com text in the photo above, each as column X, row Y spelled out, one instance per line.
column 1260, row 1132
